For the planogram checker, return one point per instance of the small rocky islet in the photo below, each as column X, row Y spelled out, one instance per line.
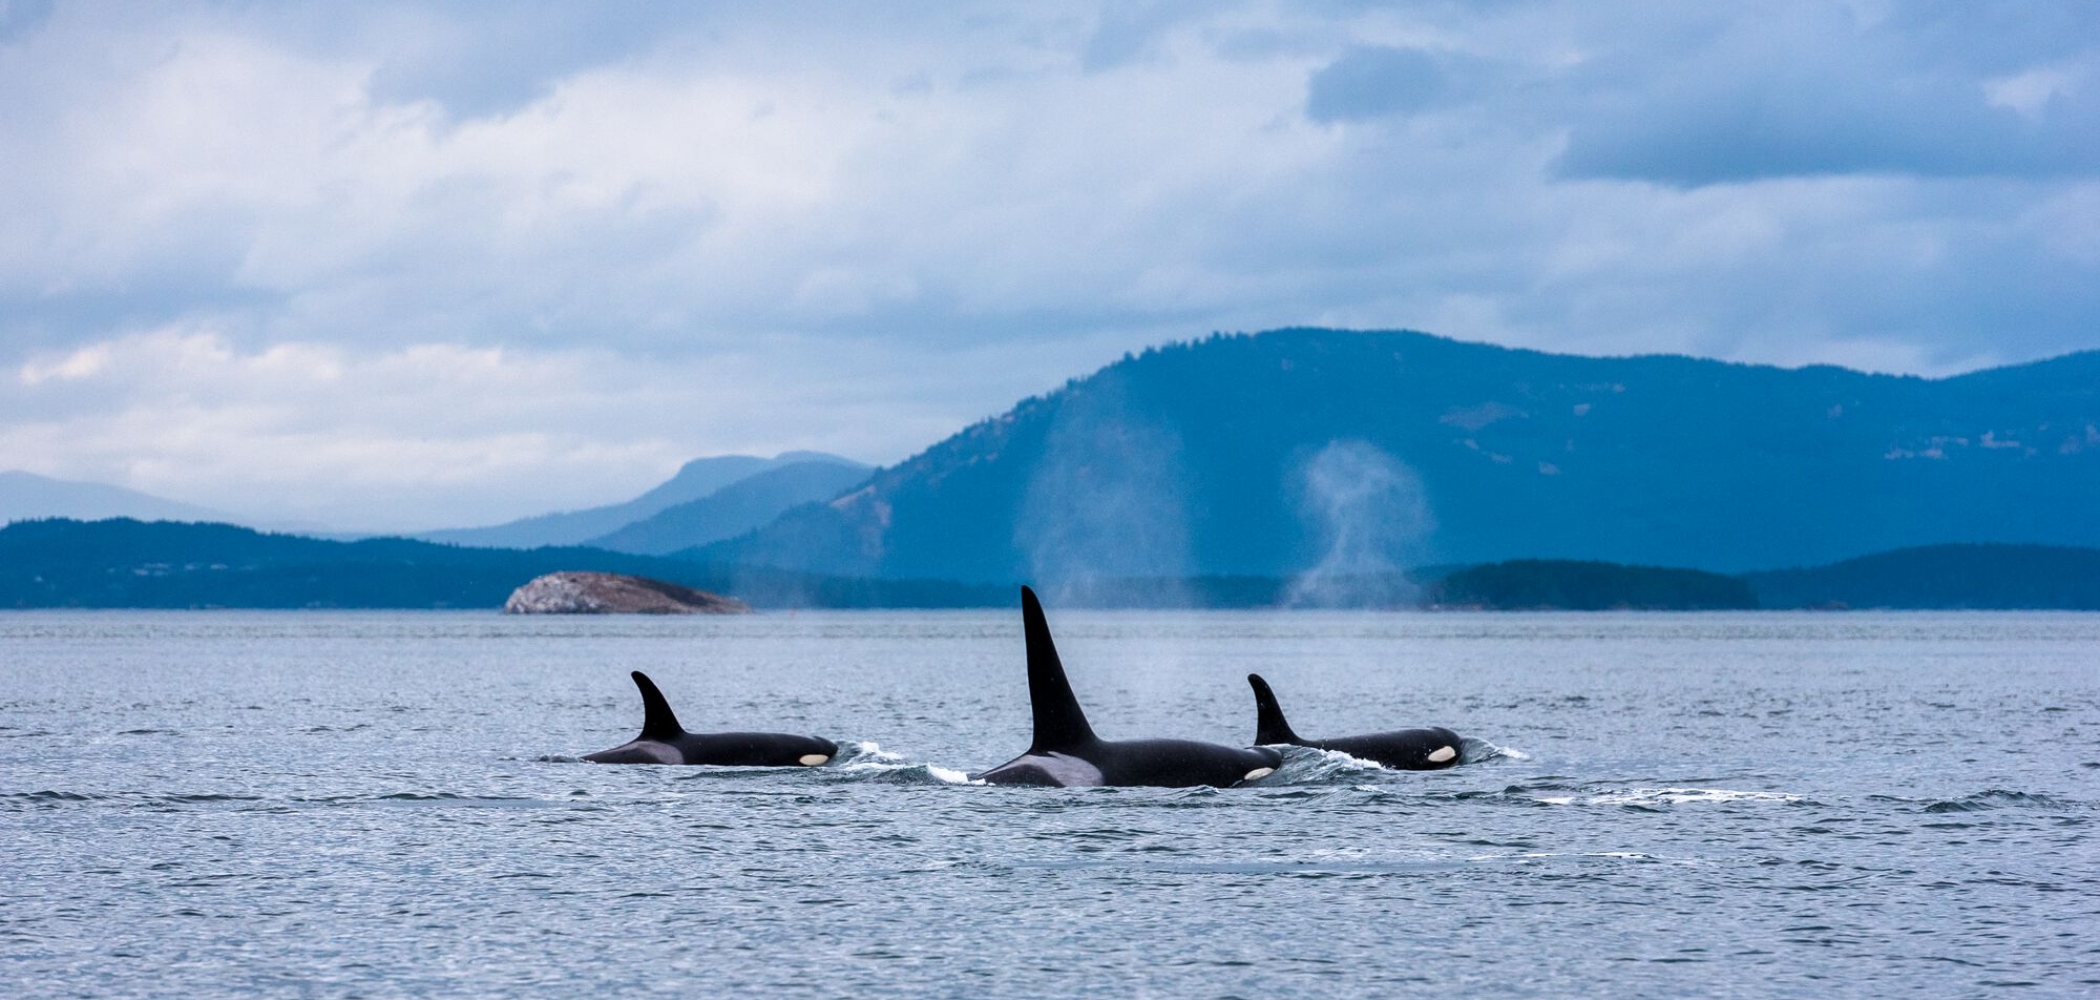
column 577, row 593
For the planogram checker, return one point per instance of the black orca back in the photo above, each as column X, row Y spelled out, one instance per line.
column 1181, row 763
column 1430, row 749
column 1407, row 749
column 664, row 741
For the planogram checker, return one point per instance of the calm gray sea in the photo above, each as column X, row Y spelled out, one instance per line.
column 227, row 804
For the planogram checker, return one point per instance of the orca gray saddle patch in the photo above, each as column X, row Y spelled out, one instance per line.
column 1059, row 769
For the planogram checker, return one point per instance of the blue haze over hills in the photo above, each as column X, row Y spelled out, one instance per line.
column 785, row 480
column 25, row 495
column 707, row 500
column 1289, row 451
column 748, row 503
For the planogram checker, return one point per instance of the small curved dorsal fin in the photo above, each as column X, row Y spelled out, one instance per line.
column 1269, row 725
column 1059, row 722
column 658, row 721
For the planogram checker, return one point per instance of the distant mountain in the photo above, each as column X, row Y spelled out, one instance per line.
column 734, row 509
column 1979, row 577
column 130, row 564
column 25, row 496
column 1324, row 451
column 696, row 479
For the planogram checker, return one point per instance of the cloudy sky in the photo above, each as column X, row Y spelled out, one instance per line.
column 397, row 265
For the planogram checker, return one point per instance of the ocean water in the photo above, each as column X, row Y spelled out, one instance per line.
column 229, row 804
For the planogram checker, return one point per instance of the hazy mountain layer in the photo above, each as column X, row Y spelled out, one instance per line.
column 25, row 496
column 735, row 509
column 1346, row 453
column 696, row 479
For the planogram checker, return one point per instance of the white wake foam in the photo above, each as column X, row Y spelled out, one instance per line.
column 1668, row 796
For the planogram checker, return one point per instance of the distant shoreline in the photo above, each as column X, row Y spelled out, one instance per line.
column 125, row 564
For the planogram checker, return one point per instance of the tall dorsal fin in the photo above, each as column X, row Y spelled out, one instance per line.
column 1059, row 722
column 1269, row 725
column 658, row 721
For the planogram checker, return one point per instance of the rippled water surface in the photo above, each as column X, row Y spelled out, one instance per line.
column 1764, row 805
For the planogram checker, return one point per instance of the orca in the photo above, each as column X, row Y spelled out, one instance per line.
column 664, row 741
column 1407, row 749
column 1067, row 754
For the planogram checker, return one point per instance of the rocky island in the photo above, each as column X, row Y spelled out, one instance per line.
column 614, row 594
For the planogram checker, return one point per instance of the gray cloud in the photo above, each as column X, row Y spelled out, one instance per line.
column 20, row 17
column 1125, row 32
column 1374, row 81
column 498, row 60
column 1822, row 93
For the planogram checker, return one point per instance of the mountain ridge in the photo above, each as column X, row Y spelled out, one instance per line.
column 1192, row 459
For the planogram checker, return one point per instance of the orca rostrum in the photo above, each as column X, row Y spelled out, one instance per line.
column 1407, row 749
column 664, row 741
column 1066, row 753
